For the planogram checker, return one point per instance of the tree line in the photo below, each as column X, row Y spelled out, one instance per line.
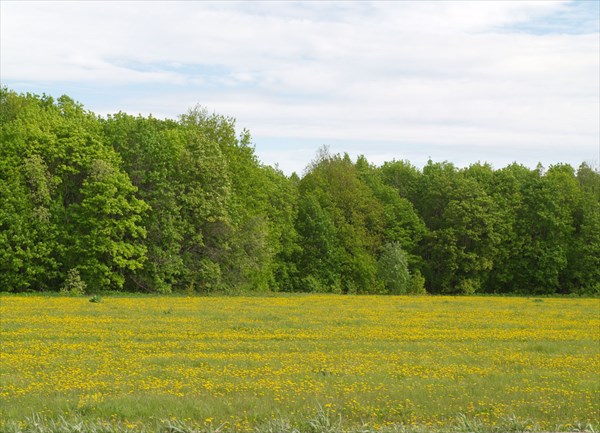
column 142, row 204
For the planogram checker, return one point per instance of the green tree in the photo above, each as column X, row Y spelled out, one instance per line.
column 355, row 213
column 106, row 232
column 392, row 269
column 582, row 273
column 401, row 223
column 403, row 177
column 139, row 203
column 51, row 151
column 261, row 206
column 151, row 150
column 203, row 189
column 27, row 234
column 537, row 224
column 319, row 254
column 460, row 247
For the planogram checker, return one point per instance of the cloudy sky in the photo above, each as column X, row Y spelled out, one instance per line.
column 459, row 81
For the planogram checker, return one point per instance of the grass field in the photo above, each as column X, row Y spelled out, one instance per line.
column 241, row 362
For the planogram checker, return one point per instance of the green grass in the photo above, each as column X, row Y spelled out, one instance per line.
column 288, row 363
column 321, row 422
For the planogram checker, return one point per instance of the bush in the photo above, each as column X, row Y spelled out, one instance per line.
column 417, row 284
column 74, row 285
column 392, row 269
column 95, row 299
column 468, row 286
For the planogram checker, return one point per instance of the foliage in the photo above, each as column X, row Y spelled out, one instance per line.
column 95, row 299
column 392, row 269
column 68, row 202
column 141, row 204
column 345, row 218
column 74, row 285
column 417, row 284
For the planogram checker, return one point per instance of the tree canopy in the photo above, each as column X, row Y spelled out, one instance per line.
column 137, row 203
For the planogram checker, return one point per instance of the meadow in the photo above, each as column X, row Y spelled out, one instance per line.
column 238, row 363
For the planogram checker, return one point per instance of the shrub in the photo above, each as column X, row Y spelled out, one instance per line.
column 95, row 298
column 468, row 286
column 74, row 285
column 392, row 269
column 417, row 284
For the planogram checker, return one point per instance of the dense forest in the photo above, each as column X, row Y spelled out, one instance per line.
column 141, row 204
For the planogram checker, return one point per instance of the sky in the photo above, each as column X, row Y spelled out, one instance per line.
column 459, row 81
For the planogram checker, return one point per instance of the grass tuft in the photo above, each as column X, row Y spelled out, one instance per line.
column 322, row 422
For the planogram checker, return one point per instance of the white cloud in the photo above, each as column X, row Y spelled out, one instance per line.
column 435, row 75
